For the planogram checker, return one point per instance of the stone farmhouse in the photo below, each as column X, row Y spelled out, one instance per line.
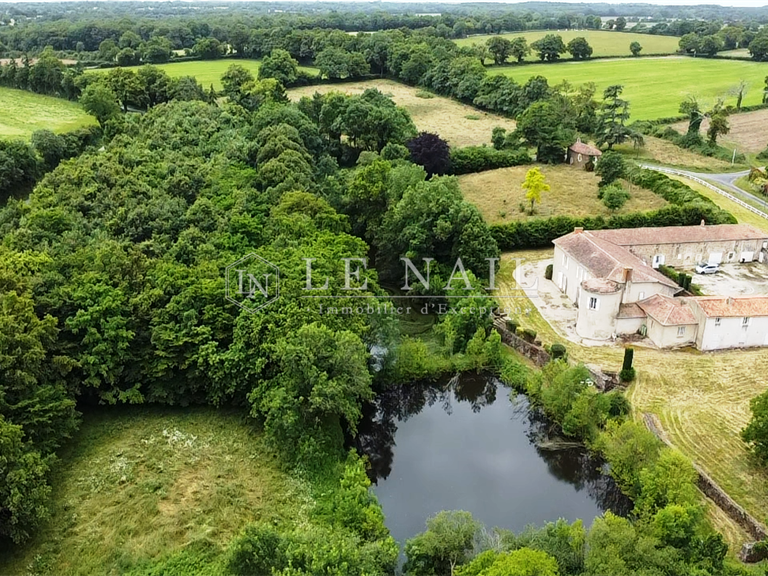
column 612, row 278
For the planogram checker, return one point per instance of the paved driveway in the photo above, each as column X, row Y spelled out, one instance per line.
column 734, row 280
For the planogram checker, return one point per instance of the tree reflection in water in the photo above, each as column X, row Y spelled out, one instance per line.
column 568, row 463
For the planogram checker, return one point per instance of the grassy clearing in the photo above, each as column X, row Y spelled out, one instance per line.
column 24, row 112
column 665, row 152
column 498, row 194
column 140, row 484
column 654, row 86
column 459, row 124
column 208, row 72
column 701, row 400
column 748, row 133
column 603, row 42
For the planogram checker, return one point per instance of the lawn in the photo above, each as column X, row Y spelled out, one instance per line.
column 701, row 400
column 459, row 124
column 24, row 112
column 603, row 42
column 138, row 484
column 498, row 194
column 208, row 72
column 654, row 87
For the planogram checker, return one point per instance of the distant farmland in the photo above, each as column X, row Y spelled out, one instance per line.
column 24, row 112
column 655, row 86
column 207, row 72
column 603, row 42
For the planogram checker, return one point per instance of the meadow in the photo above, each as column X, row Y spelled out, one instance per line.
column 459, row 124
column 701, row 400
column 655, row 87
column 141, row 484
column 32, row 112
column 499, row 196
column 207, row 72
column 603, row 42
column 747, row 134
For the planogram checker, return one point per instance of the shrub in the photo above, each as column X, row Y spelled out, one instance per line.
column 610, row 168
column 479, row 158
column 629, row 355
column 393, row 151
column 627, row 375
column 558, row 351
column 512, row 325
column 614, row 196
column 548, row 272
column 424, row 94
column 527, row 334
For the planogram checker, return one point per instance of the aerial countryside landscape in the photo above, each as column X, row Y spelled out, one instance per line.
column 345, row 288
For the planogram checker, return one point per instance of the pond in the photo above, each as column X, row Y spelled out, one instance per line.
column 467, row 444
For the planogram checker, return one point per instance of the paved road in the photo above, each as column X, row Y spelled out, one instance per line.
column 725, row 180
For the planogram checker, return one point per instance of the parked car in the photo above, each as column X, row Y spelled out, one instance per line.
column 707, row 268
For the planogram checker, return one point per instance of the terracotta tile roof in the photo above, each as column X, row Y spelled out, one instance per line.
column 606, row 260
column 580, row 148
column 667, row 310
column 681, row 234
column 630, row 310
column 724, row 307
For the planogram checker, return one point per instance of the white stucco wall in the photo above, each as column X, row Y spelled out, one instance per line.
column 731, row 333
column 668, row 336
column 568, row 274
column 636, row 291
column 598, row 324
column 629, row 325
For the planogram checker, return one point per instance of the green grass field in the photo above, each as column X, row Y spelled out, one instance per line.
column 140, row 484
column 655, row 86
column 603, row 42
column 208, row 72
column 24, row 112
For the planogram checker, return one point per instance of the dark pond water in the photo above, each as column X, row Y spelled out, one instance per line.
column 466, row 445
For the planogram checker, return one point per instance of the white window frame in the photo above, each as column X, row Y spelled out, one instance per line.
column 745, row 321
column 594, row 303
column 718, row 320
column 680, row 331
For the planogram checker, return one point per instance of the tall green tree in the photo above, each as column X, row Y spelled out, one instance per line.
column 612, row 117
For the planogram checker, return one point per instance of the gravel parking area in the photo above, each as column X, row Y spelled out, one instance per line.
column 734, row 280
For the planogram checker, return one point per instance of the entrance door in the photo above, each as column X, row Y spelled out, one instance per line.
column 658, row 260
column 715, row 257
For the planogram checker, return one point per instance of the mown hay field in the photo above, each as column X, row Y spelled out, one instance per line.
column 459, row 124
column 747, row 131
column 24, row 112
column 573, row 191
column 207, row 72
column 603, row 42
column 655, row 87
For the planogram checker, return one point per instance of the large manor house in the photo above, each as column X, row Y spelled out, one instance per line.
column 612, row 277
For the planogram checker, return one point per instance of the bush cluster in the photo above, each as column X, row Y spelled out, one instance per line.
column 480, row 158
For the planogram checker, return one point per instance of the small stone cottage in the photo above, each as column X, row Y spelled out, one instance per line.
column 580, row 154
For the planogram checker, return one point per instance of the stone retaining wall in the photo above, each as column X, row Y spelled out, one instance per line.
column 604, row 381
column 712, row 491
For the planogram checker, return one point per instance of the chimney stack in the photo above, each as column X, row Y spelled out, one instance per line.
column 729, row 301
column 703, row 223
column 578, row 230
column 627, row 274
